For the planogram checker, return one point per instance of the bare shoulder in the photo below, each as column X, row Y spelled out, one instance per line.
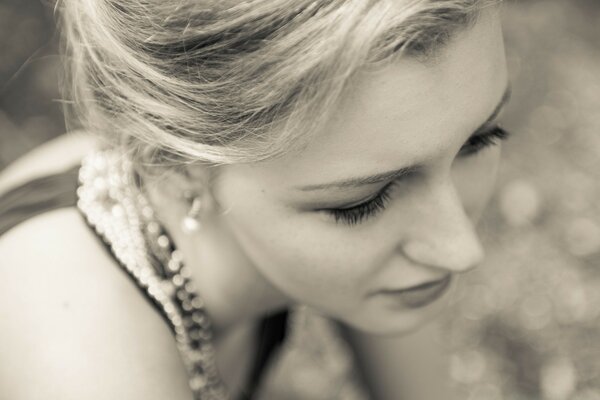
column 52, row 157
column 74, row 324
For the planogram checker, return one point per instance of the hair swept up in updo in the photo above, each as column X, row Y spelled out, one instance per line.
column 227, row 81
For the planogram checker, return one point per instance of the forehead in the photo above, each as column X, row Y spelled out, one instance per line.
column 403, row 113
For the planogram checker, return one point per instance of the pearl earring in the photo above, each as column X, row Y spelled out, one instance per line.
column 191, row 223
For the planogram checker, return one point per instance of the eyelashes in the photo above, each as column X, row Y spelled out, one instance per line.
column 367, row 209
column 359, row 213
column 478, row 142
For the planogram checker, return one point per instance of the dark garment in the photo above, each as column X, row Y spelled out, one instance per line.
column 36, row 197
column 59, row 191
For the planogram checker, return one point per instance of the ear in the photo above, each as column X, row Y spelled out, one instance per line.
column 172, row 183
column 197, row 175
column 197, row 180
column 177, row 187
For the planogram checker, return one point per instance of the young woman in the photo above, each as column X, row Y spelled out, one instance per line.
column 255, row 166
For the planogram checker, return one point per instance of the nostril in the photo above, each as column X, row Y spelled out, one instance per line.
column 473, row 253
column 465, row 267
column 453, row 257
column 465, row 259
column 418, row 252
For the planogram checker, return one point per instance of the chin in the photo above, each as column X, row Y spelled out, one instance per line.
column 404, row 326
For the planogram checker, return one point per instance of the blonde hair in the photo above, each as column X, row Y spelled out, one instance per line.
column 226, row 81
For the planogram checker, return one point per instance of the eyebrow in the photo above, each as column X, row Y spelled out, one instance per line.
column 396, row 174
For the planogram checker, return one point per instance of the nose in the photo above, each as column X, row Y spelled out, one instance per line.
column 445, row 237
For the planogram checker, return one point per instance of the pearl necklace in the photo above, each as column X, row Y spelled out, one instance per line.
column 122, row 216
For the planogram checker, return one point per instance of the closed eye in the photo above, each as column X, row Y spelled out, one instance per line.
column 478, row 142
column 358, row 213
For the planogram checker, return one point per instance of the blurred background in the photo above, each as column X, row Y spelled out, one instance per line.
column 526, row 325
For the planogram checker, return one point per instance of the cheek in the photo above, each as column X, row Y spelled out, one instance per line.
column 475, row 178
column 311, row 261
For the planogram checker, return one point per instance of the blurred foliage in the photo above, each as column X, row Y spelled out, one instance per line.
column 525, row 325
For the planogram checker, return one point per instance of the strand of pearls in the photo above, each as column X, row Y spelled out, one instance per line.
column 122, row 216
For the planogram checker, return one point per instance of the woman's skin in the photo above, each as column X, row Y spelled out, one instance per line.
column 264, row 245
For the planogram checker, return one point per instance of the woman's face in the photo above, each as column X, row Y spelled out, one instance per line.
column 374, row 219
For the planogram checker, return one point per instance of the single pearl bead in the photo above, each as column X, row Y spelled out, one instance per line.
column 190, row 225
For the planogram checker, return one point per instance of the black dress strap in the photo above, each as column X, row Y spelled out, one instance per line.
column 36, row 197
column 57, row 191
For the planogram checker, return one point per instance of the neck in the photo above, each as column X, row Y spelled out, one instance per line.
column 232, row 289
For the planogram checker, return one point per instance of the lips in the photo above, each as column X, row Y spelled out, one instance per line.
column 420, row 295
